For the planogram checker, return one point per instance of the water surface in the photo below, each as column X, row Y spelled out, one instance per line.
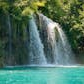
column 60, row 75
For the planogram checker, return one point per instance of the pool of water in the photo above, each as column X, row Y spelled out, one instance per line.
column 36, row 75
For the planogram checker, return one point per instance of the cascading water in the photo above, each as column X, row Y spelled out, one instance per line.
column 36, row 53
column 10, row 40
column 56, row 46
column 55, row 49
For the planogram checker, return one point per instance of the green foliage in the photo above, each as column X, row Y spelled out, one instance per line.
column 4, row 6
column 52, row 9
column 20, row 8
column 70, row 14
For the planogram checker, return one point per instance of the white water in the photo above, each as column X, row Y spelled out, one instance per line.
column 61, row 53
column 36, row 53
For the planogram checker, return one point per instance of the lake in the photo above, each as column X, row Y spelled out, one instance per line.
column 40, row 75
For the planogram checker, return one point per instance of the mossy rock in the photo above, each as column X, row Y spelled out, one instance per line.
column 1, row 62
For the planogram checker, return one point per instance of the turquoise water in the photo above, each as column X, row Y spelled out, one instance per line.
column 42, row 76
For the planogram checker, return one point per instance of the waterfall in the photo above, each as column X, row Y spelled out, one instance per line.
column 46, row 45
column 9, row 39
column 36, row 53
column 56, row 46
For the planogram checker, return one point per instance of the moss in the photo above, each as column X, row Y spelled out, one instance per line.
column 1, row 62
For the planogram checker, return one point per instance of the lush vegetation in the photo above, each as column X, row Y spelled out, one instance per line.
column 69, row 13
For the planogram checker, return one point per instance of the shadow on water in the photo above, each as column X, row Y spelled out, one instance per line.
column 41, row 67
column 19, row 68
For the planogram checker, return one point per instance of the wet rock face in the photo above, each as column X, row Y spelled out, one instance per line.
column 44, row 37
